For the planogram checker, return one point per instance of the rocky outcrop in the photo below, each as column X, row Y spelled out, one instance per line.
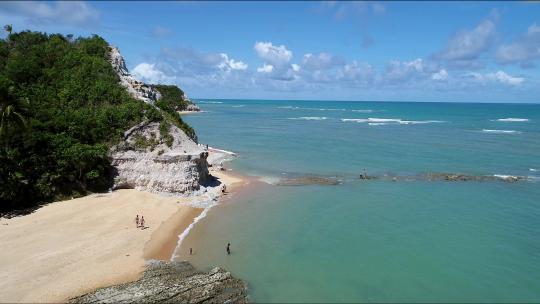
column 169, row 163
column 173, row 282
column 192, row 108
column 448, row 177
column 136, row 88
column 308, row 180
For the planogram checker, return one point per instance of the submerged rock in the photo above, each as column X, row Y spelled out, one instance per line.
column 442, row 176
column 173, row 282
column 308, row 180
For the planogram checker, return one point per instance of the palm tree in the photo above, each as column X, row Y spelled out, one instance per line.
column 11, row 116
column 8, row 28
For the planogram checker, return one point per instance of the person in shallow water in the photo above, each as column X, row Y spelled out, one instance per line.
column 228, row 248
column 137, row 221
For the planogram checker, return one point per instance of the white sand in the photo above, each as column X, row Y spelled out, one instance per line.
column 72, row 247
column 67, row 248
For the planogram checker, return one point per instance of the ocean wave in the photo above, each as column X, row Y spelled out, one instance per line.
column 209, row 101
column 185, row 233
column 238, row 106
column 309, row 118
column 386, row 121
column 533, row 170
column 362, row 111
column 494, row 131
column 512, row 119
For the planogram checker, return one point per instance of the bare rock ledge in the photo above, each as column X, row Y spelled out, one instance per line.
column 173, row 282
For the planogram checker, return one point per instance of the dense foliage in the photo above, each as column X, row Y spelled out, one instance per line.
column 173, row 100
column 61, row 109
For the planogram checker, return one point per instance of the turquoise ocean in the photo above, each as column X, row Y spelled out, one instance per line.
column 375, row 240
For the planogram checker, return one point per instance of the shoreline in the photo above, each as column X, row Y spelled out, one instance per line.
column 73, row 247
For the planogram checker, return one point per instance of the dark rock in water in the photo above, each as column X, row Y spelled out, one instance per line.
column 366, row 177
column 307, row 180
column 173, row 282
column 444, row 176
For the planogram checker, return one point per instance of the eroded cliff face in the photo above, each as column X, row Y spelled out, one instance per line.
column 173, row 282
column 136, row 88
column 170, row 163
column 144, row 161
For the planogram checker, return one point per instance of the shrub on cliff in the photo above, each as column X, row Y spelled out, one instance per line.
column 61, row 108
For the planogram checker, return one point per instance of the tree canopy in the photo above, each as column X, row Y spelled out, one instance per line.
column 61, row 109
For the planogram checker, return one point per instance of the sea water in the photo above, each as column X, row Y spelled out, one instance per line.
column 375, row 240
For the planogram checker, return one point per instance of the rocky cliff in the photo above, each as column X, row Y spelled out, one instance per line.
column 173, row 282
column 136, row 88
column 156, row 157
column 151, row 161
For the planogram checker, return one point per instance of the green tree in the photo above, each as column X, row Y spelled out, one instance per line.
column 8, row 28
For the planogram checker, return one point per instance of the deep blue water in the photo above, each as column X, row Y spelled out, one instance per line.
column 376, row 241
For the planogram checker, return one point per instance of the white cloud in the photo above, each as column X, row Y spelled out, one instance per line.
column 441, row 75
column 404, row 71
column 524, row 50
column 502, row 77
column 465, row 47
column 230, row 64
column 295, row 67
column 357, row 72
column 266, row 68
column 499, row 76
column 275, row 55
column 321, row 62
column 63, row 12
column 149, row 73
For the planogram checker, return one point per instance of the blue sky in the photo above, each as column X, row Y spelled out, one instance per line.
column 409, row 51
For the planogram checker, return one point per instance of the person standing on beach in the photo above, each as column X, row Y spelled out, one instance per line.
column 190, row 251
column 142, row 222
column 228, row 248
column 137, row 221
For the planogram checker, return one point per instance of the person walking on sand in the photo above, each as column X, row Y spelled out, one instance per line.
column 190, row 251
column 142, row 222
column 228, row 248
column 137, row 221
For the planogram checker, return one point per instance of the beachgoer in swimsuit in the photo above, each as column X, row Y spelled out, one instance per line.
column 137, row 221
column 142, row 221
column 228, row 248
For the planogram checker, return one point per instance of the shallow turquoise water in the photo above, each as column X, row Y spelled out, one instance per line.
column 376, row 241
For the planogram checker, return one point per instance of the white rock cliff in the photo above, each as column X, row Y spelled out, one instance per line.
column 147, row 160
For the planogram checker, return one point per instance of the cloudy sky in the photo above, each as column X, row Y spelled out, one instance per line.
column 401, row 51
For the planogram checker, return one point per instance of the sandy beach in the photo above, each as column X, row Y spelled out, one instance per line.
column 68, row 248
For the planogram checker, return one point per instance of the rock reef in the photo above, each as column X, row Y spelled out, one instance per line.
column 308, row 180
column 173, row 282
column 443, row 176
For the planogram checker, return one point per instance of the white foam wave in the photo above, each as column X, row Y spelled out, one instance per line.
column 238, row 106
column 362, row 111
column 494, row 131
column 383, row 121
column 209, row 101
column 309, row 118
column 512, row 119
column 185, row 233
column 311, row 109
column 533, row 170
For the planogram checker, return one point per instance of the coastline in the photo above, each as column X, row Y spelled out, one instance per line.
column 72, row 247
